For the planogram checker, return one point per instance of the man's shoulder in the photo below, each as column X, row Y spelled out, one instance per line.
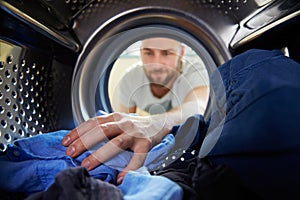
column 134, row 73
column 192, row 67
column 135, row 69
column 195, row 74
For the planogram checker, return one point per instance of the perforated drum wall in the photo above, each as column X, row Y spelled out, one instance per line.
column 35, row 77
column 24, row 94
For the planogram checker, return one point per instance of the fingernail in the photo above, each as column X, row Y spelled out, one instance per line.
column 71, row 150
column 66, row 140
column 86, row 164
column 120, row 179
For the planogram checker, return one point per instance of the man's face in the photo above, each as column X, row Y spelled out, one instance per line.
column 161, row 58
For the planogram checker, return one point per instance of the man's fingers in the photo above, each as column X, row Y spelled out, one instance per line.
column 86, row 126
column 92, row 137
column 79, row 131
column 85, row 141
column 106, row 152
column 112, row 117
column 70, row 137
column 136, row 161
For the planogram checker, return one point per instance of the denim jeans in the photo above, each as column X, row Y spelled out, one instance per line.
column 259, row 134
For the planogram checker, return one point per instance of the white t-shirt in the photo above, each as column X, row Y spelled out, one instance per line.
column 134, row 88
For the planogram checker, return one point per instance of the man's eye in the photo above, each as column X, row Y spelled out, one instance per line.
column 148, row 53
column 167, row 53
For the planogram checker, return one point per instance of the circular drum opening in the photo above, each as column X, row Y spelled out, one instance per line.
column 96, row 65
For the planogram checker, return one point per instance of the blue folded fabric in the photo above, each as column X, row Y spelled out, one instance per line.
column 141, row 185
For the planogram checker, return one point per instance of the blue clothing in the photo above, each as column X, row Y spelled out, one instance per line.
column 260, row 132
column 141, row 185
column 30, row 164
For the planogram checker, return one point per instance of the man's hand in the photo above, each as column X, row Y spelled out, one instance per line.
column 138, row 134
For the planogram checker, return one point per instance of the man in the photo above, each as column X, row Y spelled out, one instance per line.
column 162, row 81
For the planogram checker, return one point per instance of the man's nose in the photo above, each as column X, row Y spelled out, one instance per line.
column 158, row 59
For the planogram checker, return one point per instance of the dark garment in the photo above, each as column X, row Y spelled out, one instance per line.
column 76, row 184
column 202, row 181
column 219, row 182
column 260, row 137
column 181, row 173
column 6, row 195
